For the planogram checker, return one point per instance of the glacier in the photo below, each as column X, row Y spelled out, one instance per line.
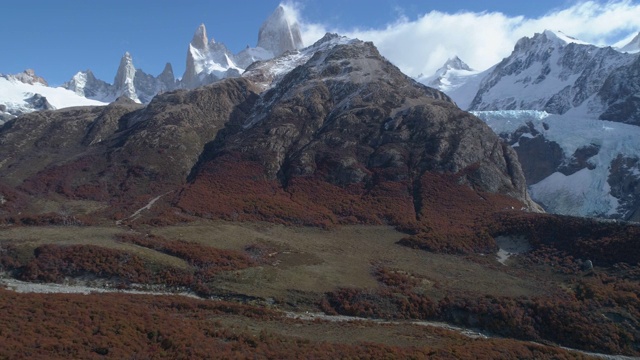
column 586, row 192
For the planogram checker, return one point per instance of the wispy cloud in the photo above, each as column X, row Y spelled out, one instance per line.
column 422, row 45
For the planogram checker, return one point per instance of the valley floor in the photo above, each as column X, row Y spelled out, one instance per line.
column 273, row 283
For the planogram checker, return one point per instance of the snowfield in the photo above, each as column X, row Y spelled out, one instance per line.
column 16, row 92
column 13, row 95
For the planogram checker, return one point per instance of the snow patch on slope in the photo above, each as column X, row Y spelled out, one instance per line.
column 266, row 74
column 208, row 62
column 564, row 38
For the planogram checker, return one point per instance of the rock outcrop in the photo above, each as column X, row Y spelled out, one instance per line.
column 29, row 77
column 620, row 94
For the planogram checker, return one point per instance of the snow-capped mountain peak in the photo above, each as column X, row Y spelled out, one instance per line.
column 633, row 46
column 452, row 65
column 207, row 61
column 267, row 73
column 85, row 84
column 455, row 63
column 28, row 77
column 562, row 38
column 133, row 83
column 549, row 71
column 26, row 92
column 280, row 32
column 451, row 77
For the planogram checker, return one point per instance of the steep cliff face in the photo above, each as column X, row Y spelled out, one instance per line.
column 124, row 81
column 620, row 95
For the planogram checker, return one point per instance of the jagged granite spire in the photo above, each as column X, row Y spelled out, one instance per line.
column 280, row 32
column 199, row 40
column 166, row 78
column 124, row 80
column 207, row 61
column 197, row 49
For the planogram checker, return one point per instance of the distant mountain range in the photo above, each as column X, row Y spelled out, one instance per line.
column 207, row 61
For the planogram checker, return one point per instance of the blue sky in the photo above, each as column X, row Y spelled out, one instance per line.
column 57, row 38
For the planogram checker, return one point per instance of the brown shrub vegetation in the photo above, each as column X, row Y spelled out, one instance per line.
column 205, row 261
column 234, row 188
column 66, row 179
column 117, row 326
column 604, row 242
column 48, row 219
column 52, row 263
column 11, row 201
column 454, row 217
column 570, row 321
column 231, row 188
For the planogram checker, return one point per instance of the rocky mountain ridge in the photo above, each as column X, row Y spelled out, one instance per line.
column 313, row 124
column 551, row 73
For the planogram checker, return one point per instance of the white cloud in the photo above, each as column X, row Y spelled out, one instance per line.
column 422, row 45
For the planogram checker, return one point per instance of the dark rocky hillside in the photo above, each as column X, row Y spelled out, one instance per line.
column 344, row 138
